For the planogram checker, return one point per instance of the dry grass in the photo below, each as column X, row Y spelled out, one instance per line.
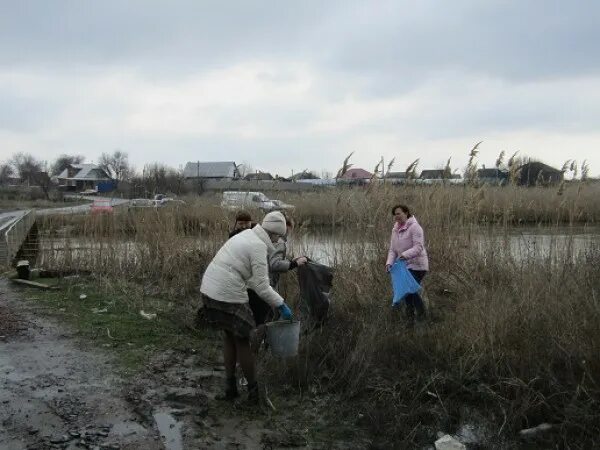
column 511, row 342
column 455, row 205
column 515, row 342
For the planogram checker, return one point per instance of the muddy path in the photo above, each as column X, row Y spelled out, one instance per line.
column 55, row 395
column 58, row 391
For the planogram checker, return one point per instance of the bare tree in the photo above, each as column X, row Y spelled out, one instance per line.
column 243, row 169
column 64, row 161
column 116, row 165
column 6, row 172
column 32, row 172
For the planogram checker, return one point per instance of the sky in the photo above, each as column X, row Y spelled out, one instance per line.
column 286, row 86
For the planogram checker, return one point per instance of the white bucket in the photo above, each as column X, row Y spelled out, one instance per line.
column 283, row 337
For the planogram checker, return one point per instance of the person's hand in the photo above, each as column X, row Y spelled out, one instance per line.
column 388, row 267
column 285, row 312
column 301, row 260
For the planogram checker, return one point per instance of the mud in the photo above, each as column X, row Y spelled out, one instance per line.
column 55, row 395
column 58, row 393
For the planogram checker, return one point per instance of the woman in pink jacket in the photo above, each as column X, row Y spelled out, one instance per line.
column 408, row 243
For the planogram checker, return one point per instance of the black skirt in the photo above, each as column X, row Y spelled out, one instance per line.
column 235, row 318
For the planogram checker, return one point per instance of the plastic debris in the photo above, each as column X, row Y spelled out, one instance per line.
column 82, row 297
column 447, row 442
column 531, row 432
column 147, row 316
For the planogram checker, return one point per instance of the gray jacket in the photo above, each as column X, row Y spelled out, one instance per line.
column 278, row 263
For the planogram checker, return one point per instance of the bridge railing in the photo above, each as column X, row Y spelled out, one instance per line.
column 13, row 234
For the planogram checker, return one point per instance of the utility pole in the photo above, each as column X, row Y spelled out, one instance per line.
column 198, row 177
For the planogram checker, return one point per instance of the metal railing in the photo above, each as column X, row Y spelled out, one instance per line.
column 12, row 235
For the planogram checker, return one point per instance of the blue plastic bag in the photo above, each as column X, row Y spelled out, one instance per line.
column 403, row 283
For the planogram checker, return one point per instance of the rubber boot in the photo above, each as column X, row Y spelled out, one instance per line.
column 231, row 390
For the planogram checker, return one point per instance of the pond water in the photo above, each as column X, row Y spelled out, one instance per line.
column 329, row 248
column 519, row 243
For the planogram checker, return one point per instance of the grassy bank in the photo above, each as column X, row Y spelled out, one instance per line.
column 511, row 343
column 110, row 314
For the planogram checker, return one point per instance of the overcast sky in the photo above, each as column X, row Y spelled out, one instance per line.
column 298, row 85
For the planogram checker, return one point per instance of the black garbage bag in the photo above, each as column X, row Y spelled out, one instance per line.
column 315, row 282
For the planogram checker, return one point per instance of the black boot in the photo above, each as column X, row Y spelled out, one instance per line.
column 231, row 390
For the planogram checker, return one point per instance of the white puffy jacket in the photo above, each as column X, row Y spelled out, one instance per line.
column 239, row 265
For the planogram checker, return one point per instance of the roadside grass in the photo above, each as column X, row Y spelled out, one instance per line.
column 108, row 315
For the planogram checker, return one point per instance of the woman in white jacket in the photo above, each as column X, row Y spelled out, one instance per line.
column 239, row 265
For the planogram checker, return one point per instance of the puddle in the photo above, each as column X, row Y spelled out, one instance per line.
column 126, row 429
column 169, row 429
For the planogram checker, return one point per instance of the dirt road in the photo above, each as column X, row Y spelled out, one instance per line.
column 54, row 395
column 59, row 392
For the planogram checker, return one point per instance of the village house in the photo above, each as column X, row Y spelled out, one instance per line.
column 80, row 177
column 395, row 177
column 218, row 170
column 535, row 173
column 433, row 176
column 436, row 174
column 259, row 176
column 496, row 177
column 356, row 176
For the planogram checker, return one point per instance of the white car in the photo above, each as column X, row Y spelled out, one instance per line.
column 156, row 203
column 234, row 200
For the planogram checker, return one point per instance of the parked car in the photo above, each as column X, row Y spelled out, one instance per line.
column 281, row 205
column 168, row 201
column 141, row 203
column 101, row 206
column 155, row 203
column 234, row 200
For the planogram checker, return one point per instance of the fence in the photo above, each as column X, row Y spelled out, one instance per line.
column 12, row 235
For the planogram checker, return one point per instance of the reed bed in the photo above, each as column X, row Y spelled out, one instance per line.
column 571, row 204
column 510, row 342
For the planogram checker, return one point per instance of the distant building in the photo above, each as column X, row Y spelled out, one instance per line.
column 259, row 176
column 494, row 176
column 304, row 175
column 318, row 181
column 219, row 170
column 79, row 177
column 357, row 174
column 437, row 174
column 535, row 172
column 395, row 177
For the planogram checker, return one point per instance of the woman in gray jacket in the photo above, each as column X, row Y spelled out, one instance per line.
column 239, row 265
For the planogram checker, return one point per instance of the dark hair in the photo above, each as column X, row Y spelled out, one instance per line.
column 404, row 208
column 243, row 216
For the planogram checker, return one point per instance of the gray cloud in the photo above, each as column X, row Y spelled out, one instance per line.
column 337, row 76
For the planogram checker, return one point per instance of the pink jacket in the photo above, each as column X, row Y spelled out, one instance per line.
column 408, row 241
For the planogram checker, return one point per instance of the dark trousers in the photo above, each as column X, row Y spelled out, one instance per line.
column 414, row 302
column 261, row 310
